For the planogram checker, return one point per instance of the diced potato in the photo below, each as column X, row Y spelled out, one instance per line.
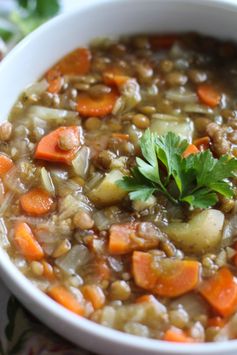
column 200, row 235
column 183, row 128
column 108, row 192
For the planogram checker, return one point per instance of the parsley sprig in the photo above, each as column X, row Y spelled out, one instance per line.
column 195, row 180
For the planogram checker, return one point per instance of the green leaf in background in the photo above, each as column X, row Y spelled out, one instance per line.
column 5, row 34
column 25, row 3
column 27, row 24
column 47, row 8
column 28, row 16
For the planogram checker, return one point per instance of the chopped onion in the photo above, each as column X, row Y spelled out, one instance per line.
column 69, row 205
column 181, row 95
column 6, row 203
column 48, row 114
column 101, row 221
column 130, row 97
column 81, row 162
column 66, row 187
column 47, row 181
column 115, row 264
column 165, row 117
column 13, row 182
column 78, row 256
column 94, row 181
column 196, row 108
column 59, row 173
column 37, row 88
column 4, row 242
column 30, row 220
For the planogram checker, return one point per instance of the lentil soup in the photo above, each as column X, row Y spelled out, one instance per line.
column 118, row 187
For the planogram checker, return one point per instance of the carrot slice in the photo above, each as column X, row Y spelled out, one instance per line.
column 61, row 295
column 177, row 335
column 75, row 63
column 177, row 277
column 95, row 295
column 48, row 149
column 221, row 292
column 5, row 165
column 123, row 239
column 54, row 79
column 202, row 143
column 124, row 137
column 208, row 95
column 99, row 107
column 36, row 202
column 191, row 149
column 144, row 275
column 171, row 278
column 26, row 242
column 163, row 41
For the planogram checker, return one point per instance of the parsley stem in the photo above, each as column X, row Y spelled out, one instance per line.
column 167, row 194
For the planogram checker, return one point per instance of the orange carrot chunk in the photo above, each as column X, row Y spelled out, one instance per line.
column 221, row 292
column 171, row 278
column 61, row 295
column 177, row 335
column 208, row 95
column 98, row 107
column 75, row 63
column 123, row 238
column 177, row 277
column 54, row 79
column 95, row 295
column 36, row 202
column 202, row 143
column 26, row 242
column 144, row 274
column 191, row 149
column 5, row 165
column 48, row 147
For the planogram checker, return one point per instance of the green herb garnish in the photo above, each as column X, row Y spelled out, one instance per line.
column 195, row 180
column 29, row 15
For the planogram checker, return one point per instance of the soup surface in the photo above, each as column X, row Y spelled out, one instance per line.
column 118, row 187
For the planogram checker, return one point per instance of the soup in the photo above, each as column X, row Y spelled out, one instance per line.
column 118, row 185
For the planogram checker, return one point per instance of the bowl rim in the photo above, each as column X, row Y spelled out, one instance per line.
column 16, row 281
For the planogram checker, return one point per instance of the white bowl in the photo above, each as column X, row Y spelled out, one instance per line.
column 29, row 60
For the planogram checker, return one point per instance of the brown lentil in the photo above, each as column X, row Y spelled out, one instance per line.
column 141, row 121
column 176, row 78
column 92, row 123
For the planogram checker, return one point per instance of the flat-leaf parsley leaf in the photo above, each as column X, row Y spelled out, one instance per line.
column 198, row 178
